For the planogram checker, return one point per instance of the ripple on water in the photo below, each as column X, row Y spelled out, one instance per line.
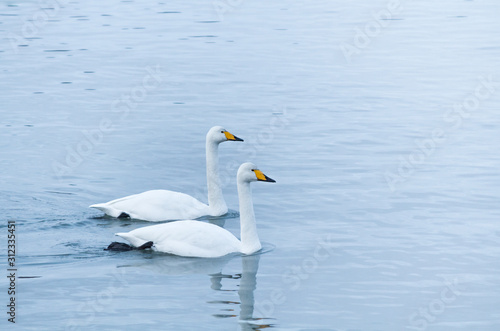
column 204, row 36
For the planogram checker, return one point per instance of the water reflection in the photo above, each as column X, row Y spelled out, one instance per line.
column 176, row 265
column 247, row 287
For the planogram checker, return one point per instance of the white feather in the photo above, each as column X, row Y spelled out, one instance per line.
column 164, row 205
column 200, row 239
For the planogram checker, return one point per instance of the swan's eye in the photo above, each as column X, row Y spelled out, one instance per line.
column 222, row 132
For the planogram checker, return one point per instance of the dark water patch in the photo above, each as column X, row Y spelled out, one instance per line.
column 53, row 260
column 71, row 244
column 223, row 276
column 101, row 217
column 224, row 302
column 60, row 224
column 57, row 50
column 204, row 36
column 59, row 192
column 168, row 12
column 224, row 316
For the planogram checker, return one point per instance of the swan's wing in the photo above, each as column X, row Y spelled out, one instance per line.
column 186, row 238
column 111, row 208
column 155, row 206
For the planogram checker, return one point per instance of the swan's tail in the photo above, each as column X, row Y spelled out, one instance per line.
column 108, row 210
column 136, row 242
column 100, row 206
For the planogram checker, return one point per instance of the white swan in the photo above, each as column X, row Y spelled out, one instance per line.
column 200, row 239
column 164, row 205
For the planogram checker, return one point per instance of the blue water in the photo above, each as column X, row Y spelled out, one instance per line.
column 378, row 119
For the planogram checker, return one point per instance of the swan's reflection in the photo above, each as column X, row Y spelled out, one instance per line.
column 175, row 265
column 248, row 284
column 247, row 287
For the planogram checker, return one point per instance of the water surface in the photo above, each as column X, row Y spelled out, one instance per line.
column 378, row 121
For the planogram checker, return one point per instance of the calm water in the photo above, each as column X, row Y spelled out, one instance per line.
column 379, row 121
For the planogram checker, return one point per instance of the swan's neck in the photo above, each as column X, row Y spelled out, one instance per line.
column 216, row 201
column 248, row 284
column 250, row 242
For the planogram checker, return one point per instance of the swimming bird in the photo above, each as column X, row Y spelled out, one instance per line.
column 164, row 205
column 199, row 239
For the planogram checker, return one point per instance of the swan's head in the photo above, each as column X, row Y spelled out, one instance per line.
column 249, row 172
column 218, row 134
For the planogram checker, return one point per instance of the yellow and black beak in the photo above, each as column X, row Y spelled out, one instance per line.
column 232, row 137
column 263, row 178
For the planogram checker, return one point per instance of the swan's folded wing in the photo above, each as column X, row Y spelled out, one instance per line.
column 186, row 238
column 155, row 206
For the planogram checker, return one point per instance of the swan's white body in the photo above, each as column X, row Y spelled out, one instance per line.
column 199, row 239
column 156, row 205
column 164, row 205
column 186, row 238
